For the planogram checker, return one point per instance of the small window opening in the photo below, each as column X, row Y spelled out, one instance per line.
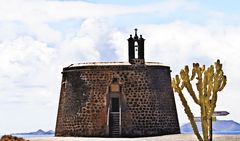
column 136, row 49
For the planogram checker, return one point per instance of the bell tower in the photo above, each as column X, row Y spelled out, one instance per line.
column 136, row 49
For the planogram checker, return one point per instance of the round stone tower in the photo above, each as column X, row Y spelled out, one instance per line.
column 117, row 99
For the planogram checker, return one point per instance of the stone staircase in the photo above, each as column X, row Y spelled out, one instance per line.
column 114, row 124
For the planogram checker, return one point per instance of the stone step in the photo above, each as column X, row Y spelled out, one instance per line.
column 115, row 131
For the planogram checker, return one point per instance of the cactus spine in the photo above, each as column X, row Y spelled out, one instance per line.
column 209, row 82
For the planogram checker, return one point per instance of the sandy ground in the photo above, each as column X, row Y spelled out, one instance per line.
column 178, row 137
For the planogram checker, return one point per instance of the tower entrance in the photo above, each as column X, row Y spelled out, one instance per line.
column 114, row 110
column 114, row 118
column 114, row 104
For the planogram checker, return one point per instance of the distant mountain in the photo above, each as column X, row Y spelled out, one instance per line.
column 50, row 132
column 218, row 126
column 38, row 132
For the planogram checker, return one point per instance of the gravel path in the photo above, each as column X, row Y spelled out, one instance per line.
column 178, row 137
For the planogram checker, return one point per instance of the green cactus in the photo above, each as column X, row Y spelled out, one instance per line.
column 209, row 82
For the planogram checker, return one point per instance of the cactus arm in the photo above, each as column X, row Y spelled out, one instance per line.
column 186, row 82
column 193, row 72
column 224, row 79
column 201, row 89
column 220, row 81
column 190, row 116
column 177, row 88
column 210, row 75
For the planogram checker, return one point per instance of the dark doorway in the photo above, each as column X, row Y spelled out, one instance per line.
column 114, row 118
column 114, row 104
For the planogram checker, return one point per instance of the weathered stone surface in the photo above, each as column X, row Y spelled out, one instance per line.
column 146, row 99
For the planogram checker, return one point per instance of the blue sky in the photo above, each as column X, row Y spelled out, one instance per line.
column 39, row 38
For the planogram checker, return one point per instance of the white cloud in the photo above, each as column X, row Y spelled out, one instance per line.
column 78, row 50
column 28, row 79
column 87, row 44
column 19, row 55
column 33, row 18
column 30, row 73
column 119, row 43
column 44, row 32
column 45, row 11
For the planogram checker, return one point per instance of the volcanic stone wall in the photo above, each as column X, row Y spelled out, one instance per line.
column 146, row 97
